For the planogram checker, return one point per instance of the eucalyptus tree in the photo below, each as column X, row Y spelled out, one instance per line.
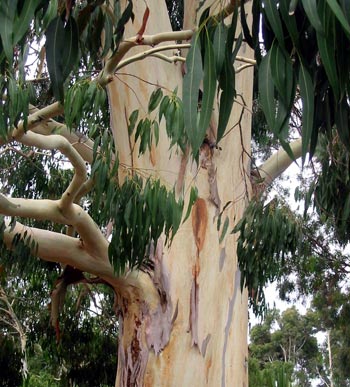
column 286, row 342
column 126, row 159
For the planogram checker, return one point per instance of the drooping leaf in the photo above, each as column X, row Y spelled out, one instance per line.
column 266, row 90
column 227, row 84
column 219, row 45
column 124, row 18
column 132, row 121
column 273, row 17
column 163, row 106
column 342, row 121
column 232, row 31
column 327, row 53
column 290, row 21
column 107, row 43
column 191, row 83
column 22, row 21
column 154, row 100
column 307, row 96
column 282, row 73
column 310, row 7
column 224, row 229
column 209, row 87
column 338, row 12
column 62, row 52
column 193, row 198
column 292, row 7
column 7, row 15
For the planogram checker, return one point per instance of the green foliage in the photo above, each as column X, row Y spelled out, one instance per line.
column 15, row 107
column 141, row 212
column 283, row 349
column 267, row 234
column 274, row 374
column 299, row 43
column 61, row 52
column 10, row 362
column 85, row 103
column 172, row 109
column 209, row 61
column 86, row 353
column 331, row 188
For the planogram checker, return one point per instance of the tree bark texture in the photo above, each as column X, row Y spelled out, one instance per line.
column 185, row 324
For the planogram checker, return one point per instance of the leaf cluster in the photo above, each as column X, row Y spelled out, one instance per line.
column 283, row 347
column 330, row 189
column 268, row 233
column 141, row 212
column 306, row 43
column 210, row 62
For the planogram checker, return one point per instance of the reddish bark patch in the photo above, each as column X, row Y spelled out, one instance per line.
column 152, row 155
column 208, row 364
column 199, row 222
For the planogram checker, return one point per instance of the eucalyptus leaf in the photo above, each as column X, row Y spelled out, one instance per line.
column 191, row 83
column 338, row 12
column 307, row 96
column 7, row 16
column 62, row 52
column 209, row 88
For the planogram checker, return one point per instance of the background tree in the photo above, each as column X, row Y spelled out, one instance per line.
column 157, row 154
column 287, row 340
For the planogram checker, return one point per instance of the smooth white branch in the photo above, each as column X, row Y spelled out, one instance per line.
column 146, row 40
column 90, row 235
column 276, row 164
column 152, row 52
column 55, row 141
column 36, row 118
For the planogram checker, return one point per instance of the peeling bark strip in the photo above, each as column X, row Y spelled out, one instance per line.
column 145, row 325
column 160, row 321
column 199, row 222
column 132, row 353
column 228, row 324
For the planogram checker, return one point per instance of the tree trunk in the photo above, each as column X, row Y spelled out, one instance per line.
column 185, row 324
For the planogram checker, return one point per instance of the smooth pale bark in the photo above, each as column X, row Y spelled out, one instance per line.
column 184, row 324
column 195, row 334
column 276, row 164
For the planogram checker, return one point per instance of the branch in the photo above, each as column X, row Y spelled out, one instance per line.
column 246, row 60
column 227, row 10
column 111, row 65
column 37, row 118
column 55, row 141
column 243, row 67
column 81, row 143
column 91, row 236
column 150, row 52
column 55, row 247
column 170, row 59
column 275, row 165
column 147, row 40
